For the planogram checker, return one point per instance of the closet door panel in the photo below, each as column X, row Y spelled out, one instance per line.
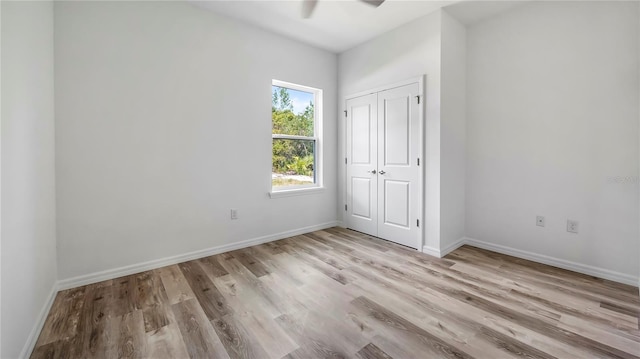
column 396, row 203
column 396, row 134
column 362, row 161
column 398, row 176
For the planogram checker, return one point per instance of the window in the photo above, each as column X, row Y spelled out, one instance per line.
column 296, row 137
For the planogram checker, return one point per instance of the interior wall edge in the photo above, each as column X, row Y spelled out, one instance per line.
column 432, row 251
column 27, row 131
column 30, row 344
column 437, row 252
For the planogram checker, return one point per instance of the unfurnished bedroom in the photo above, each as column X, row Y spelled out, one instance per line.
column 320, row 179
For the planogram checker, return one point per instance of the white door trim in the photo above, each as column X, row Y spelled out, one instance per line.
column 421, row 111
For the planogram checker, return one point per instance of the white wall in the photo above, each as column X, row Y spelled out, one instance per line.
column 553, row 108
column 0, row 180
column 163, row 125
column 452, row 132
column 28, row 180
column 409, row 51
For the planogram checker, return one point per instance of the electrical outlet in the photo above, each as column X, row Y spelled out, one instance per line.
column 572, row 226
column 234, row 214
column 540, row 221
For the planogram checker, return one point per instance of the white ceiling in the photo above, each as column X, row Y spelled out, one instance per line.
column 338, row 25
column 472, row 12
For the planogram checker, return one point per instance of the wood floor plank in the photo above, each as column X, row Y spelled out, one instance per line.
column 392, row 347
column 567, row 285
column 591, row 315
column 237, row 340
column 511, row 346
column 507, row 327
column 95, row 321
column 572, row 279
column 60, row 349
column 359, row 238
column 210, row 299
column 531, row 322
column 621, row 341
column 251, row 314
column 337, row 293
column 620, row 309
column 565, row 281
column 310, row 247
column 311, row 330
column 200, row 340
column 484, row 289
column 262, row 295
column 428, row 316
column 525, row 319
column 318, row 238
column 388, row 318
column 241, row 293
column 596, row 347
column 289, row 296
column 149, row 290
column 271, row 337
column 444, row 308
column 124, row 289
column 156, row 317
column 319, row 265
column 64, row 316
column 323, row 294
column 371, row 351
column 559, row 302
column 212, row 267
column 129, row 336
column 314, row 350
column 272, row 248
column 278, row 264
column 250, row 262
column 175, row 284
column 166, row 343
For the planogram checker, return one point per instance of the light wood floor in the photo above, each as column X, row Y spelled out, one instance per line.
column 338, row 293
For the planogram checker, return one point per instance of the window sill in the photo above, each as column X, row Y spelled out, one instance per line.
column 295, row 192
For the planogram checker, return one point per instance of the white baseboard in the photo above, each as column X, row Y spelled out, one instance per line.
column 556, row 262
column 540, row 258
column 158, row 263
column 435, row 252
column 453, row 246
column 42, row 316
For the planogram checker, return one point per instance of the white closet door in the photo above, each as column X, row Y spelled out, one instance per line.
column 383, row 180
column 362, row 160
column 398, row 174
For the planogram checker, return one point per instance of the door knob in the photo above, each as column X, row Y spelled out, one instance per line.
column 372, row 172
column 382, row 172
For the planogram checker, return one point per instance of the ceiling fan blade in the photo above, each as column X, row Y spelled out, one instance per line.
column 307, row 7
column 375, row 3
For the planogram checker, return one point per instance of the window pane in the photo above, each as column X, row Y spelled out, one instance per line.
column 293, row 162
column 292, row 111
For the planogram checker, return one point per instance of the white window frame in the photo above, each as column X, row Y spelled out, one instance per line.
column 286, row 191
